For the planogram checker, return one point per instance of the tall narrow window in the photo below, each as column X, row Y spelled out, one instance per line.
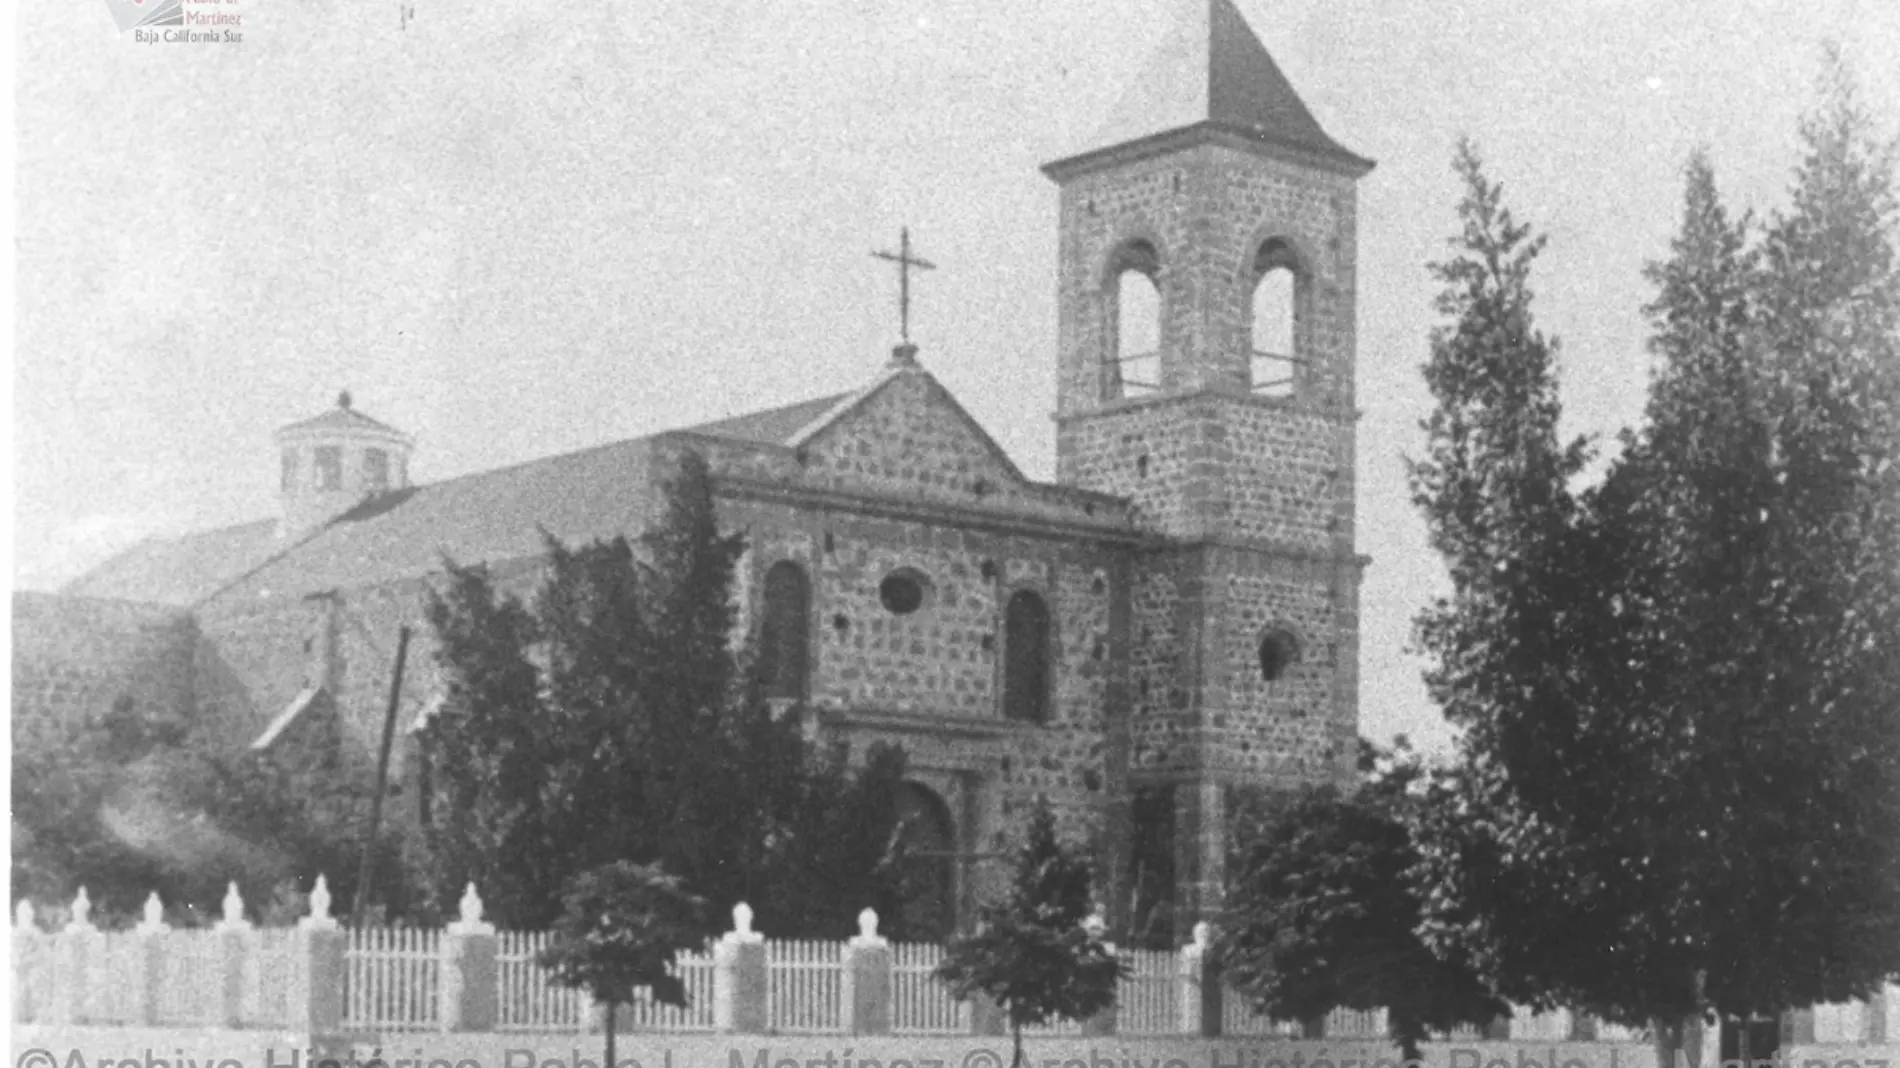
column 375, row 471
column 1133, row 363
column 1275, row 361
column 329, row 467
column 1026, row 658
column 784, row 632
column 290, row 470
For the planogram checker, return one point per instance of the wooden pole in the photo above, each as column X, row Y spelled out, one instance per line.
column 382, row 781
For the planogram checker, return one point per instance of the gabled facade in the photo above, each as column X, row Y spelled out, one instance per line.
column 1174, row 620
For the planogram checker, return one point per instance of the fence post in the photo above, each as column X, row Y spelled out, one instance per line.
column 1106, row 1022
column 867, row 979
column 234, row 949
column 150, row 975
column 29, row 970
column 73, row 951
column 1200, row 985
column 316, row 1004
column 468, row 970
column 739, row 977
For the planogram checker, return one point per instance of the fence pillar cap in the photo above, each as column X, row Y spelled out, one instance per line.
column 319, row 918
column 153, row 922
column 742, row 932
column 471, row 921
column 82, row 913
column 867, row 936
column 233, row 910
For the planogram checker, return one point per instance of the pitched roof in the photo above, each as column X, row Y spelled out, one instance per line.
column 490, row 515
column 493, row 516
column 180, row 571
column 774, row 426
column 1213, row 70
column 342, row 417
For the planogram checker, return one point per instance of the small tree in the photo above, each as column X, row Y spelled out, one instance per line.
column 1325, row 912
column 1035, row 953
column 621, row 924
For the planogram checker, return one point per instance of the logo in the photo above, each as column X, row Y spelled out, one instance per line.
column 144, row 14
column 181, row 21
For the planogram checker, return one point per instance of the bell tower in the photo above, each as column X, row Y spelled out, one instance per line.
column 1206, row 348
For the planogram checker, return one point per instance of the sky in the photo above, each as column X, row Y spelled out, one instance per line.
column 515, row 230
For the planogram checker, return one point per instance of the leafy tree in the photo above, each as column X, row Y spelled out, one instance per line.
column 1325, row 912
column 1677, row 789
column 1034, row 952
column 1780, row 515
column 127, row 806
column 612, row 719
column 621, row 927
column 60, row 842
column 488, row 749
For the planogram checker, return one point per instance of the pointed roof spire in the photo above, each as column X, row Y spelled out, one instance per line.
column 1213, row 73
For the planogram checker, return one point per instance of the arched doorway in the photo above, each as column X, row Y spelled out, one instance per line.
column 929, row 841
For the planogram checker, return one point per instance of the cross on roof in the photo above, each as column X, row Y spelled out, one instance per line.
column 905, row 261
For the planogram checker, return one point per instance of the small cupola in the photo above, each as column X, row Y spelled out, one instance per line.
column 335, row 461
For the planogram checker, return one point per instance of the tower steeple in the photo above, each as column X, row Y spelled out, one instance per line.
column 1206, row 355
column 1211, row 75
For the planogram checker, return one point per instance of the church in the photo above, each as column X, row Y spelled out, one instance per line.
column 1168, row 625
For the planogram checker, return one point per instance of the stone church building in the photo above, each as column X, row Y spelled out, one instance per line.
column 1171, row 622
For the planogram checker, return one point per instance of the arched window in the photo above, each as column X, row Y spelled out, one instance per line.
column 1275, row 320
column 1026, row 658
column 928, row 842
column 1279, row 651
column 1133, row 360
column 785, row 632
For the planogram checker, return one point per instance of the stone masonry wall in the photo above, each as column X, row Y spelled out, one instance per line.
column 74, row 656
column 907, row 441
column 931, row 680
column 1218, row 466
column 1206, row 211
column 1294, row 728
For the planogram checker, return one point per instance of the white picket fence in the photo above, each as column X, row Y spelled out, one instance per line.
column 804, row 984
column 392, row 979
column 1148, row 1001
column 1239, row 1018
column 393, row 983
column 183, row 995
column 920, row 1004
column 528, row 1002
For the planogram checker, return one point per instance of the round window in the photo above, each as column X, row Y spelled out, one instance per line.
column 901, row 592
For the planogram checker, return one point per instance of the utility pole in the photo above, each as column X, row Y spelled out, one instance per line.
column 382, row 781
